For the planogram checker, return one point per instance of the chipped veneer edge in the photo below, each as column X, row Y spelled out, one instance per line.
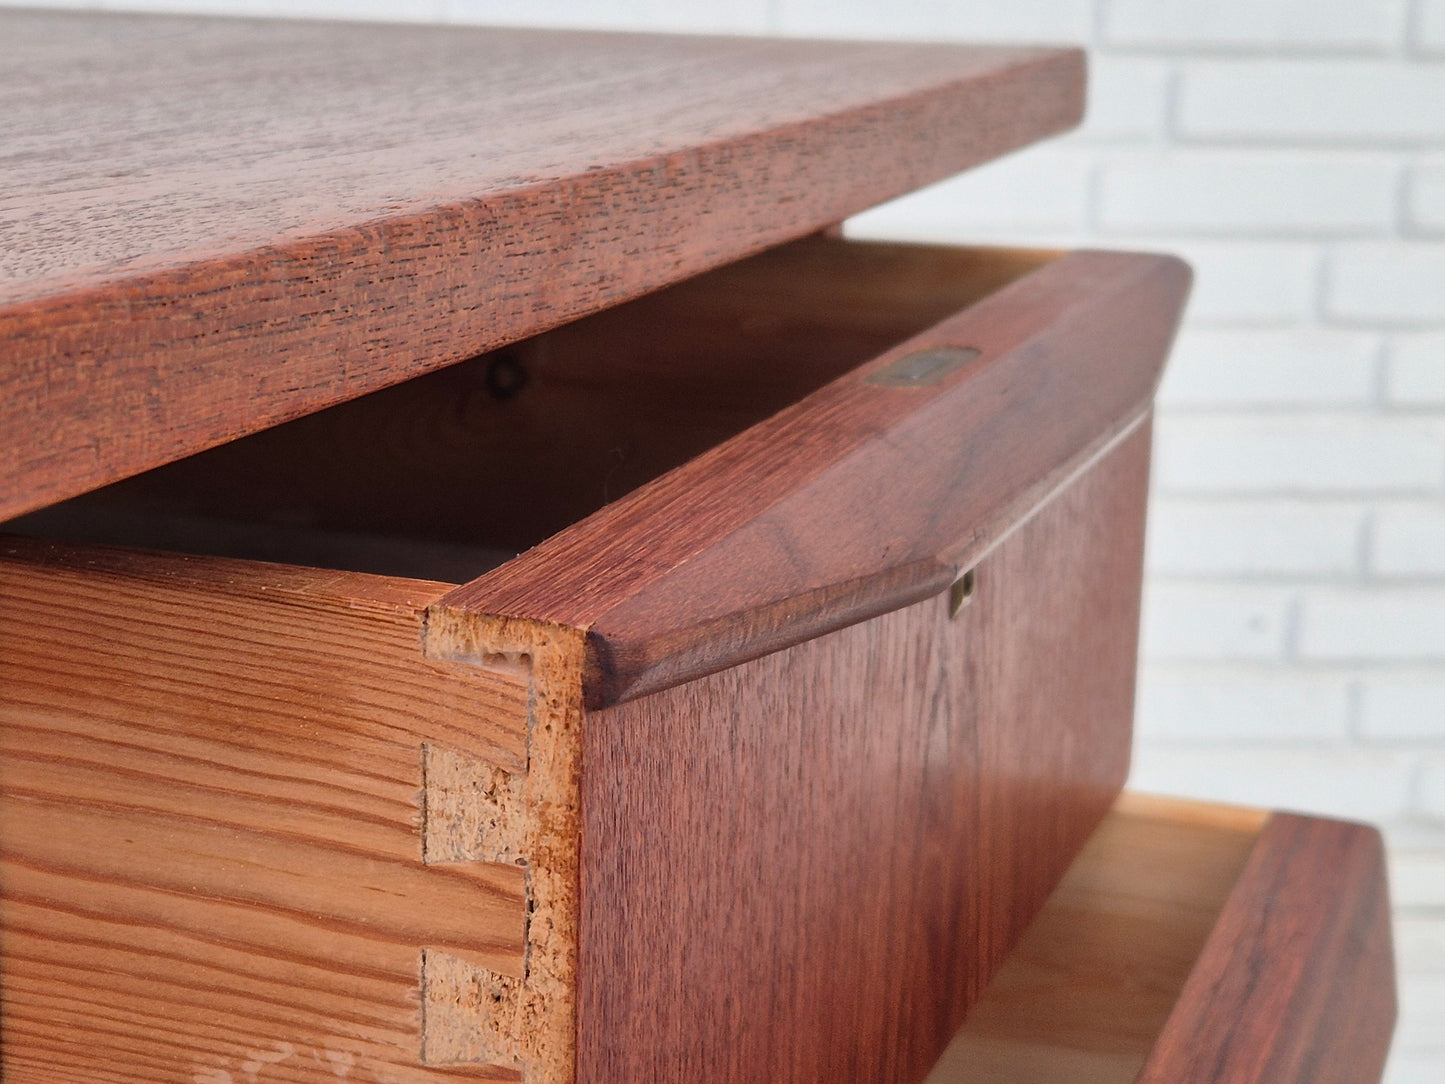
column 529, row 1024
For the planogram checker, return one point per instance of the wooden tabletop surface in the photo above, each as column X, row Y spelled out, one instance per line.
column 210, row 226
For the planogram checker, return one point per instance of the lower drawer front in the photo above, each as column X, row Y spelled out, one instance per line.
column 1196, row 944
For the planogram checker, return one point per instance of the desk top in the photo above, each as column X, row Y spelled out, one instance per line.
column 210, row 226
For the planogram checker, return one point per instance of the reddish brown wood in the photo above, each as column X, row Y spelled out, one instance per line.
column 449, row 474
column 213, row 226
column 806, row 867
column 861, row 498
column 1296, row 984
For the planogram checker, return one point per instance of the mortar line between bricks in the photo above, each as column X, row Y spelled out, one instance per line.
column 1365, row 545
column 1097, row 23
column 1414, row 18
column 1293, row 142
column 1384, row 349
column 1404, row 228
column 1173, row 78
column 1262, row 51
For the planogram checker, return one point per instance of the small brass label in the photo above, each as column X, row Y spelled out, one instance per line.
column 922, row 367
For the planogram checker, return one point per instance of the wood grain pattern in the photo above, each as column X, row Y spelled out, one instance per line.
column 1083, row 997
column 449, row 474
column 925, row 479
column 781, row 861
column 222, row 852
column 1052, row 358
column 1186, row 944
column 211, row 227
column 1296, row 983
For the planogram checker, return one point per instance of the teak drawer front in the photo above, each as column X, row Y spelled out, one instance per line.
column 1197, row 944
column 712, row 784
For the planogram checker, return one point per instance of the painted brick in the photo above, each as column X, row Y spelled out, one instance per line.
column 1246, row 281
column 1042, row 190
column 1425, row 203
column 1432, row 797
column 1420, row 942
column 1387, row 282
column 1305, row 454
column 1416, row 370
column 1421, row 1025
column 1248, row 707
column 1403, row 708
column 1128, row 98
column 1417, row 878
column 1186, row 623
column 1253, row 23
column 1249, row 193
column 384, row 10
column 1304, row 367
column 1019, row 20
column 1430, row 29
column 1341, row 782
column 744, row 16
column 1371, row 624
column 1409, row 541
column 1414, row 1067
column 1366, row 101
column 1253, row 538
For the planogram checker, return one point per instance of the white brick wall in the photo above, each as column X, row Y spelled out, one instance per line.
column 1212, row 623
column 1429, row 35
column 1409, row 542
column 1284, row 369
column 1326, row 101
column 1253, row 24
column 1378, row 282
column 1294, row 152
column 1300, row 453
column 1416, row 372
column 1373, row 625
column 1425, row 209
column 1255, row 191
column 1261, row 541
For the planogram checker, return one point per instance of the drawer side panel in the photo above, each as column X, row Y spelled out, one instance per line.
column 220, row 856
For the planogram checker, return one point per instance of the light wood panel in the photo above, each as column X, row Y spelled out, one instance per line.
column 222, row 850
column 1196, row 944
column 213, row 226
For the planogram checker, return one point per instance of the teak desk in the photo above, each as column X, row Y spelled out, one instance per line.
column 496, row 588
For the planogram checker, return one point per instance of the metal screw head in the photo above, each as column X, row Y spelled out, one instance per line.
column 505, row 376
column 961, row 593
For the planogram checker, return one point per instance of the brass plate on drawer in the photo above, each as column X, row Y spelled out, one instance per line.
column 923, row 368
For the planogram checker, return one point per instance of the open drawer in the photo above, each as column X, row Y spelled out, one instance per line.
column 1193, row 943
column 710, row 689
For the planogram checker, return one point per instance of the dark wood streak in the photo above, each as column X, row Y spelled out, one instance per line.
column 858, row 499
column 254, row 220
column 1296, row 984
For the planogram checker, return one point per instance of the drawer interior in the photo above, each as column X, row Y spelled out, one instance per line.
column 1087, row 991
column 451, row 474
